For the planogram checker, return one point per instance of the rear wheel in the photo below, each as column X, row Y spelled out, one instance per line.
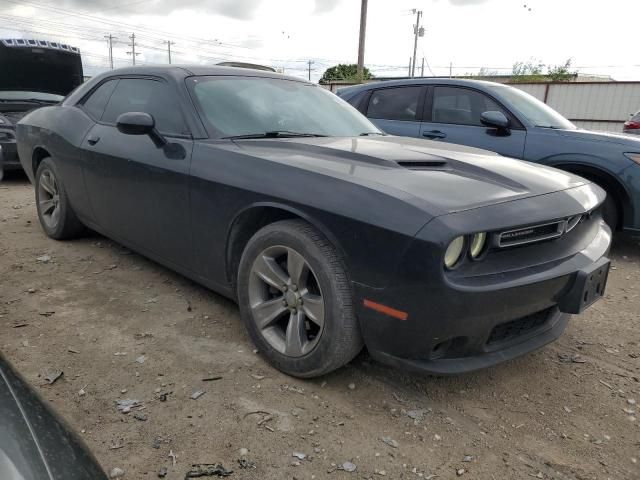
column 296, row 301
column 56, row 216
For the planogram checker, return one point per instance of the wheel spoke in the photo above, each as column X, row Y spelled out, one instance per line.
column 266, row 313
column 46, row 206
column 270, row 272
column 296, row 335
column 313, row 308
column 47, row 184
column 297, row 268
column 55, row 215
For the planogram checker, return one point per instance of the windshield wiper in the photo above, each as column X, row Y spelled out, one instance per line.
column 29, row 100
column 273, row 134
column 552, row 127
column 366, row 134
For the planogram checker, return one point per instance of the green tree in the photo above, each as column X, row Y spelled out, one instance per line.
column 536, row 71
column 530, row 71
column 345, row 72
column 561, row 73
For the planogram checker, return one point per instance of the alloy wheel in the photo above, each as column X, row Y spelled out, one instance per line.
column 286, row 301
column 49, row 199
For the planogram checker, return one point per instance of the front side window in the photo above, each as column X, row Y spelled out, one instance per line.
column 395, row 103
column 95, row 103
column 150, row 96
column 235, row 106
column 461, row 106
column 538, row 113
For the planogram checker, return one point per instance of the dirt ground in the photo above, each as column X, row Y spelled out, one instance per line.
column 94, row 309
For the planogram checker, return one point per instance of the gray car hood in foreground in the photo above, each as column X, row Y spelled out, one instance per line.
column 451, row 178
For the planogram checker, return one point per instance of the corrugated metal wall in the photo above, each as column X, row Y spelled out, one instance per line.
column 594, row 106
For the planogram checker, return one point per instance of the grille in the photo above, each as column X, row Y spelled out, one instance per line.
column 516, row 328
column 535, row 233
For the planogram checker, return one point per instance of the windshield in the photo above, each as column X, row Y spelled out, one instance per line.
column 537, row 112
column 248, row 106
column 26, row 95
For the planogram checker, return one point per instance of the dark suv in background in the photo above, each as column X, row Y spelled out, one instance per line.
column 512, row 123
column 33, row 73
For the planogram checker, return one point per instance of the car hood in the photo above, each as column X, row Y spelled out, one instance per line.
column 451, row 178
column 615, row 138
column 39, row 70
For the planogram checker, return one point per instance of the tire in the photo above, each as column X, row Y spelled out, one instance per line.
column 57, row 218
column 610, row 212
column 308, row 328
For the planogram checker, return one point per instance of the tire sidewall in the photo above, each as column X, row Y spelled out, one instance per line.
column 336, row 306
column 610, row 212
column 63, row 204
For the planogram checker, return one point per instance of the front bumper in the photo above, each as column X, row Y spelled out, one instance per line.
column 9, row 159
column 460, row 325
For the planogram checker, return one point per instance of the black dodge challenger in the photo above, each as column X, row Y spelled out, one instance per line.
column 329, row 234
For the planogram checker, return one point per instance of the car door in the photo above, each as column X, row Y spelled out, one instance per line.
column 139, row 193
column 452, row 114
column 397, row 110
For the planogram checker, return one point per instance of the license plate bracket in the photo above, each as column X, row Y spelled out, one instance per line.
column 588, row 288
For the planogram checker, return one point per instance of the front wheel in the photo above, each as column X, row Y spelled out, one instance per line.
column 57, row 218
column 296, row 301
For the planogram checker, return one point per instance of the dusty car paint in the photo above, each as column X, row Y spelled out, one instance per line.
column 35, row 444
column 390, row 205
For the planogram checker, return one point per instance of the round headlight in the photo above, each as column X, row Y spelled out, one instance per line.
column 477, row 244
column 454, row 252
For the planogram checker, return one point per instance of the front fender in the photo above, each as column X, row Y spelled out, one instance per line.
column 621, row 178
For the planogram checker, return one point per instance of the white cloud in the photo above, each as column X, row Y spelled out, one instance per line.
column 290, row 32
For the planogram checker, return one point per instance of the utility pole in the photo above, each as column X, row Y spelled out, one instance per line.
column 410, row 66
column 417, row 32
column 133, row 47
column 450, row 69
column 363, row 29
column 310, row 62
column 110, row 38
column 169, row 43
column 422, row 71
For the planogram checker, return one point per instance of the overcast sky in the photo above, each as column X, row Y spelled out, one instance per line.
column 599, row 36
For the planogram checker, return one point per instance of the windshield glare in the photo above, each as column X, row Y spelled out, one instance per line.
column 26, row 95
column 235, row 106
column 537, row 112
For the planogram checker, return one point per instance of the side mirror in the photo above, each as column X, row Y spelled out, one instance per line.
column 494, row 119
column 135, row 123
column 140, row 123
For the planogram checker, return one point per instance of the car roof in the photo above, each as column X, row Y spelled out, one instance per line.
column 460, row 82
column 177, row 73
column 197, row 70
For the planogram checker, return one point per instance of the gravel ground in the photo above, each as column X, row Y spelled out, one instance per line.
column 123, row 327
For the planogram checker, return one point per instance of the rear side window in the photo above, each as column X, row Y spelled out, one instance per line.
column 636, row 117
column 395, row 103
column 94, row 105
column 150, row 96
column 357, row 99
column 461, row 106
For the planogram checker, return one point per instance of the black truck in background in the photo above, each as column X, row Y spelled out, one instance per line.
column 33, row 73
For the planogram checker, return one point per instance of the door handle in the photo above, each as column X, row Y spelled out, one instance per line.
column 434, row 134
column 93, row 140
